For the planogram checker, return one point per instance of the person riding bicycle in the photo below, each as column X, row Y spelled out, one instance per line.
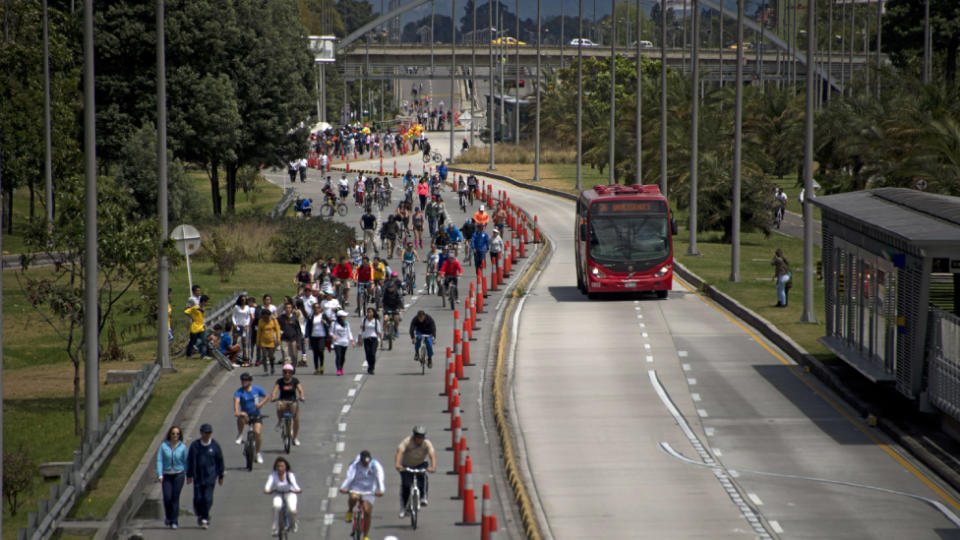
column 344, row 272
column 422, row 327
column 393, row 300
column 284, row 484
column 462, row 192
column 472, row 186
column 453, row 237
column 364, row 474
column 412, row 453
column 285, row 390
column 481, row 217
column 410, row 258
column 364, row 277
column 451, row 272
column 247, row 401
column 780, row 205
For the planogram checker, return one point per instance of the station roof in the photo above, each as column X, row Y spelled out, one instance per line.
column 926, row 220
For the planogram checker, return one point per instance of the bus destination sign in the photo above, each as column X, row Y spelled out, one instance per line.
column 629, row 206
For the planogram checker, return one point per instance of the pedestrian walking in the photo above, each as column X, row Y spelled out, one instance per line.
column 342, row 338
column 782, row 275
column 171, row 472
column 371, row 332
column 204, row 470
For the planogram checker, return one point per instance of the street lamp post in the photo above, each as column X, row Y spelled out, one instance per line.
column 91, row 305
column 612, row 178
column 491, row 113
column 473, row 74
column 694, row 128
column 738, row 149
column 516, row 79
column 580, row 99
column 808, row 315
column 47, row 122
column 453, row 75
column 536, row 90
column 639, row 178
column 663, row 98
column 163, row 277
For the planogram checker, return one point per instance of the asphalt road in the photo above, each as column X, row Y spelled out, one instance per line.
column 344, row 415
column 600, row 386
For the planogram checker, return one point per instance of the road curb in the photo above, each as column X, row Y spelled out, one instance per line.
column 135, row 491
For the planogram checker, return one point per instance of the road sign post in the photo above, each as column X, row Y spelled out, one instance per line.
column 187, row 241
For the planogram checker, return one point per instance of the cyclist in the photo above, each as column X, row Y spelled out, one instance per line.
column 480, row 243
column 500, row 218
column 412, row 453
column 481, row 217
column 453, row 237
column 364, row 474
column 462, row 192
column 422, row 327
column 286, row 389
column 393, row 301
column 780, row 205
column 467, row 231
column 247, row 401
column 344, row 272
column 284, row 483
column 410, row 258
column 451, row 272
column 472, row 187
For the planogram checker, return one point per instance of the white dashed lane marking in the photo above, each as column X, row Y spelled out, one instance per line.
column 691, row 381
column 694, row 396
column 332, row 492
column 709, row 431
column 775, row 525
column 649, row 358
column 702, row 413
column 756, row 500
column 342, row 426
column 682, row 354
column 686, row 367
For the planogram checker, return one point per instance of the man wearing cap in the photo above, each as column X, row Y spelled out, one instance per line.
column 413, row 452
column 204, row 470
column 365, row 474
column 481, row 217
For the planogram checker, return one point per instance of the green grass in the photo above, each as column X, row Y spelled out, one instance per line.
column 789, row 185
column 39, row 377
column 260, row 200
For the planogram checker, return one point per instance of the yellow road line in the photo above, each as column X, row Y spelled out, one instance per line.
column 836, row 406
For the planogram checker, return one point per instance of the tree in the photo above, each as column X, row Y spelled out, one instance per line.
column 19, row 471
column 354, row 14
column 903, row 35
column 137, row 172
column 127, row 248
column 773, row 129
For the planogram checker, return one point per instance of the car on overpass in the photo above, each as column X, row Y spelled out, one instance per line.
column 577, row 42
column 507, row 40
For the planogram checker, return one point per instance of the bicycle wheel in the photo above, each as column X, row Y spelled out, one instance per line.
column 287, row 435
column 452, row 290
column 326, row 210
column 422, row 357
column 282, row 525
column 249, row 449
column 414, row 508
column 341, row 209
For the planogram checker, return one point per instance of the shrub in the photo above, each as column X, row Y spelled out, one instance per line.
column 18, row 474
column 305, row 240
column 226, row 255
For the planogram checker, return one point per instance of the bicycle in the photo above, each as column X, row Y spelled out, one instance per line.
column 421, row 354
column 449, row 293
column 359, row 517
column 431, row 285
column 435, row 156
column 778, row 216
column 286, row 429
column 409, row 276
column 284, row 525
column 362, row 299
column 413, row 502
column 249, row 447
column 328, row 209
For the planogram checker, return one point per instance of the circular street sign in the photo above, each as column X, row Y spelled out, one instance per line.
column 921, row 184
column 186, row 238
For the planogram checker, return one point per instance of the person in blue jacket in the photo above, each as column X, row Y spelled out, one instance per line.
column 171, row 468
column 204, row 471
column 453, row 236
column 480, row 243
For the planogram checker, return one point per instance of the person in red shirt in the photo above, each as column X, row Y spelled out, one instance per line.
column 364, row 276
column 451, row 271
column 344, row 273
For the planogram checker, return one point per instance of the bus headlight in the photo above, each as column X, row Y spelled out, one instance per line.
column 662, row 271
column 597, row 273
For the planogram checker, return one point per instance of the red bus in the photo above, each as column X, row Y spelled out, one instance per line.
column 624, row 240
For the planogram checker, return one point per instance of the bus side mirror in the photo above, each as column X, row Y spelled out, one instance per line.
column 583, row 231
column 673, row 226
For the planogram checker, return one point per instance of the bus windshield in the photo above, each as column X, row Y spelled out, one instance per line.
column 624, row 238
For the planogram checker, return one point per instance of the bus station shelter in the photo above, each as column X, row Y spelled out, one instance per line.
column 891, row 270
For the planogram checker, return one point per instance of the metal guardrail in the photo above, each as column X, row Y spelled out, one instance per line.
column 288, row 196
column 88, row 459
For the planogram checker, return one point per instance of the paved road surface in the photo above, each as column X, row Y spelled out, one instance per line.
column 594, row 384
column 343, row 415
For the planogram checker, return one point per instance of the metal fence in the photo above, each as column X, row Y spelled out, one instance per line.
column 98, row 446
column 288, row 196
column 943, row 362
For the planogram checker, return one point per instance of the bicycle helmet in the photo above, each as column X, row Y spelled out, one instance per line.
column 288, row 367
column 420, row 430
column 246, row 377
column 394, row 274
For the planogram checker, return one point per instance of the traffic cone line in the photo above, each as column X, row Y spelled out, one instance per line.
column 485, row 513
column 466, row 354
column 469, row 506
column 461, row 465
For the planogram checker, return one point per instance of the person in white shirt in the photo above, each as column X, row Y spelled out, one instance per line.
column 342, row 337
column 318, row 329
column 324, row 160
column 371, row 332
column 283, row 484
column 365, row 474
column 344, row 186
column 330, row 305
column 302, row 166
column 241, row 324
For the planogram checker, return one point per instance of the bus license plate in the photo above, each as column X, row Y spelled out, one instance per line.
column 630, row 285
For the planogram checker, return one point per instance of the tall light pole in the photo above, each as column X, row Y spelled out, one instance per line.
column 90, row 305
column 738, row 149
column 829, row 48
column 473, row 74
column 927, row 43
column 580, row 98
column 639, row 179
column 879, row 42
column 663, row 98
column 453, row 75
column 163, row 281
column 808, row 315
column 536, row 89
column 516, row 79
column 694, row 128
column 612, row 179
column 492, row 113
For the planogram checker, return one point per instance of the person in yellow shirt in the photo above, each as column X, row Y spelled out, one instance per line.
column 379, row 270
column 268, row 339
column 195, row 312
